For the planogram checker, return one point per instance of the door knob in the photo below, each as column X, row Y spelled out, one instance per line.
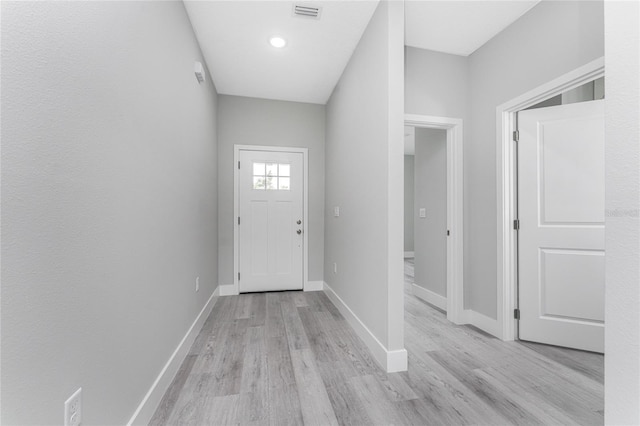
column 299, row 231
column 299, row 222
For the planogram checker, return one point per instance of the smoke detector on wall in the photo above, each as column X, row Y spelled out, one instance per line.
column 306, row 11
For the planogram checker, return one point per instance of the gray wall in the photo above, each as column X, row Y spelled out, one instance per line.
column 622, row 204
column 250, row 121
column 364, row 128
column 517, row 60
column 108, row 202
column 408, row 202
column 436, row 83
column 431, row 194
column 583, row 93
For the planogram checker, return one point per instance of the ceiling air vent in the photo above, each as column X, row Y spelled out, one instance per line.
column 307, row 11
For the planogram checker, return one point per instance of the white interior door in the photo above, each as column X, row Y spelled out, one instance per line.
column 561, row 238
column 271, row 227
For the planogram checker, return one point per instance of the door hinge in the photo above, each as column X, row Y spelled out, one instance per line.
column 448, row 233
column 238, row 165
column 516, row 313
column 238, row 220
column 238, row 276
column 516, row 224
column 516, row 135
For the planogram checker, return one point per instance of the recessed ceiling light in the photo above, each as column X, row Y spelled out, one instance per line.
column 278, row 42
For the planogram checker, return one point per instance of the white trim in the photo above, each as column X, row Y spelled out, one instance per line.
column 305, row 206
column 151, row 400
column 505, row 186
column 483, row 322
column 391, row 361
column 314, row 286
column 429, row 296
column 228, row 290
column 455, row 209
column 397, row 361
column 409, row 254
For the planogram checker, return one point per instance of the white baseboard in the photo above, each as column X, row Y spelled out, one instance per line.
column 409, row 254
column 397, row 361
column 429, row 296
column 151, row 400
column 228, row 290
column 483, row 322
column 314, row 286
column 391, row 361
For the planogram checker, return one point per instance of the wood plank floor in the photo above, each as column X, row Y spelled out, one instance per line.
column 290, row 358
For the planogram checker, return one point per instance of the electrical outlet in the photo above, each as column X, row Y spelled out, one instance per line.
column 335, row 268
column 73, row 409
column 197, row 283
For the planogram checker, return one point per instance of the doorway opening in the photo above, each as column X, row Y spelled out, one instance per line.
column 560, row 231
column 425, row 163
column 571, row 85
column 270, row 218
column 443, row 137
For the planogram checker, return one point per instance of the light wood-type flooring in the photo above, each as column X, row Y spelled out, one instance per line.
column 289, row 358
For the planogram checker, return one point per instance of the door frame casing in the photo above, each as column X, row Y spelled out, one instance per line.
column 305, row 206
column 507, row 262
column 455, row 208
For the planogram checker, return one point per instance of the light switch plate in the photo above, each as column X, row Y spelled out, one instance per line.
column 423, row 212
column 336, row 211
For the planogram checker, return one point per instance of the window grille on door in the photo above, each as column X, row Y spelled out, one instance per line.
column 272, row 176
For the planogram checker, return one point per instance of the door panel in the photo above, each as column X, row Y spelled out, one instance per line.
column 561, row 236
column 572, row 192
column 270, row 198
column 284, row 237
column 258, row 225
column 566, row 274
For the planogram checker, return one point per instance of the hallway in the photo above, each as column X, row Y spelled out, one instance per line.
column 290, row 358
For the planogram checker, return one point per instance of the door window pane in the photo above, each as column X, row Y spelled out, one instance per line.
column 258, row 182
column 258, row 169
column 284, row 170
column 272, row 170
column 283, row 183
column 271, row 182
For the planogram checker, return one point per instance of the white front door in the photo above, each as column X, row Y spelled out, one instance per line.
column 270, row 226
column 561, row 237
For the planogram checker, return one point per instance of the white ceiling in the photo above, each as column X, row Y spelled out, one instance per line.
column 234, row 38
column 459, row 27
